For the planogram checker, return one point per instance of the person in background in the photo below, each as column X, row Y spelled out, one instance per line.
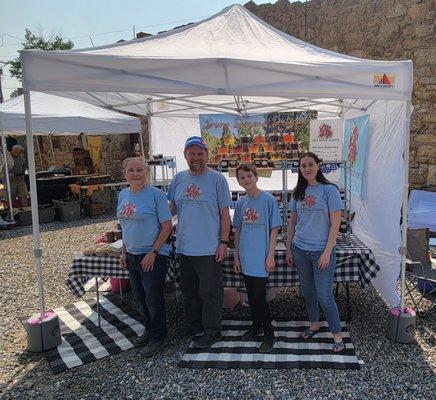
column 311, row 238
column 145, row 220
column 17, row 172
column 257, row 220
column 200, row 197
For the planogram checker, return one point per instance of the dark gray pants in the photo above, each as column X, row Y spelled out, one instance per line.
column 201, row 282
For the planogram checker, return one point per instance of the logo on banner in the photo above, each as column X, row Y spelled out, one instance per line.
column 192, row 192
column 251, row 216
column 325, row 131
column 384, row 80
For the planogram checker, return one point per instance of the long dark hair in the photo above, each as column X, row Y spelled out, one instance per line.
column 300, row 189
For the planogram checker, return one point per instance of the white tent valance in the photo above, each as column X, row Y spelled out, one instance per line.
column 235, row 63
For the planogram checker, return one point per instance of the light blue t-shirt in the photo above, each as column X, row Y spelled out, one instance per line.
column 313, row 216
column 255, row 217
column 199, row 199
column 140, row 215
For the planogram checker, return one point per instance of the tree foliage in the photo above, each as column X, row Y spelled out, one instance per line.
column 36, row 41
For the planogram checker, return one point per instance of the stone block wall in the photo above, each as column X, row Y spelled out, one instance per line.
column 380, row 30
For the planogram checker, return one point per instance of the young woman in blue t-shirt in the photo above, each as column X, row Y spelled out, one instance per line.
column 145, row 219
column 312, row 231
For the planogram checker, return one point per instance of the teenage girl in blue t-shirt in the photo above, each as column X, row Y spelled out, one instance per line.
column 312, row 231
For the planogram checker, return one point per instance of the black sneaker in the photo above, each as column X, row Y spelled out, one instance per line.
column 141, row 341
column 187, row 331
column 153, row 347
column 207, row 340
column 267, row 344
column 252, row 332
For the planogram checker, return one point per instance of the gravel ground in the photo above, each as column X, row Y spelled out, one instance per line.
column 391, row 371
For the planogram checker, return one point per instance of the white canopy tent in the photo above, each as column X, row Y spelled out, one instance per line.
column 235, row 63
column 54, row 115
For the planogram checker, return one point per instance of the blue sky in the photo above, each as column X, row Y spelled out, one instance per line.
column 102, row 21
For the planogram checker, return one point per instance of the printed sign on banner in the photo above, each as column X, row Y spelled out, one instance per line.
column 326, row 138
column 355, row 138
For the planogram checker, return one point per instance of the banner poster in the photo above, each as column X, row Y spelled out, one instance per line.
column 259, row 139
column 354, row 150
column 326, row 138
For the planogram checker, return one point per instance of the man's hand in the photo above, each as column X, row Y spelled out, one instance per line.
column 221, row 252
column 147, row 262
column 270, row 263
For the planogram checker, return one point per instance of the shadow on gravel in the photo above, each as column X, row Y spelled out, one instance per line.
column 390, row 369
column 19, row 231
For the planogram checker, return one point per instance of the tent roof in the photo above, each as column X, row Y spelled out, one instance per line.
column 58, row 115
column 230, row 54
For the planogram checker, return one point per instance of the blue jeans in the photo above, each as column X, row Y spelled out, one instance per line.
column 148, row 291
column 317, row 286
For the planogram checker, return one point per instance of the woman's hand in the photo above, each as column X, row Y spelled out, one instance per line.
column 236, row 265
column 289, row 259
column 270, row 263
column 123, row 260
column 147, row 262
column 324, row 260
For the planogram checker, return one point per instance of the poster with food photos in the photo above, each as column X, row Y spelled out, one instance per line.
column 260, row 139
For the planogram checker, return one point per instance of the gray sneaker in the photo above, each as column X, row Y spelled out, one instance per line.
column 153, row 348
column 141, row 341
column 207, row 340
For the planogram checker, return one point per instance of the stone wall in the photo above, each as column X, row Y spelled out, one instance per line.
column 380, row 30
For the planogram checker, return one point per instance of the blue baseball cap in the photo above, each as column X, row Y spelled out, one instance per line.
column 195, row 141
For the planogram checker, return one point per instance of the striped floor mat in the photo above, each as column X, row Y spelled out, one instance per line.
column 103, row 285
column 84, row 342
column 289, row 351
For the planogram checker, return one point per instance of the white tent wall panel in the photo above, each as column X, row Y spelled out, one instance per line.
column 377, row 219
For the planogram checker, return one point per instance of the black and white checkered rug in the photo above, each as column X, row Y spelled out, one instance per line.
column 289, row 351
column 83, row 341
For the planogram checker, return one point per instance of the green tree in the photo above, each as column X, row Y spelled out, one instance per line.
column 36, row 41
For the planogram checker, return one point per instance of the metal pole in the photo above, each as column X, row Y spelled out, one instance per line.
column 142, row 145
column 34, row 200
column 405, row 204
column 8, row 183
column 52, row 150
column 39, row 153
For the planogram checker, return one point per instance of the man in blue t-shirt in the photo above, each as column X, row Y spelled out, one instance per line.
column 201, row 198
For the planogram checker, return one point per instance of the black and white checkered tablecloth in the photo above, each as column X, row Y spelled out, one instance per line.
column 355, row 262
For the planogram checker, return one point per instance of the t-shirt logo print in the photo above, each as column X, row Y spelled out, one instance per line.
column 129, row 210
column 251, row 216
column 192, row 192
column 309, row 201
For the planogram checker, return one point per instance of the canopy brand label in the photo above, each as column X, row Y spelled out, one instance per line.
column 384, row 80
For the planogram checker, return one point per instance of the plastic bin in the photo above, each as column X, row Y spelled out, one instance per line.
column 67, row 210
column 46, row 214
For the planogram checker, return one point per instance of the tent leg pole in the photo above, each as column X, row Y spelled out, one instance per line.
column 141, row 140
column 405, row 204
column 52, row 151
column 8, row 182
column 34, row 200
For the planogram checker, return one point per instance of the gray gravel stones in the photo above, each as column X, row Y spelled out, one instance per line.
column 391, row 371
